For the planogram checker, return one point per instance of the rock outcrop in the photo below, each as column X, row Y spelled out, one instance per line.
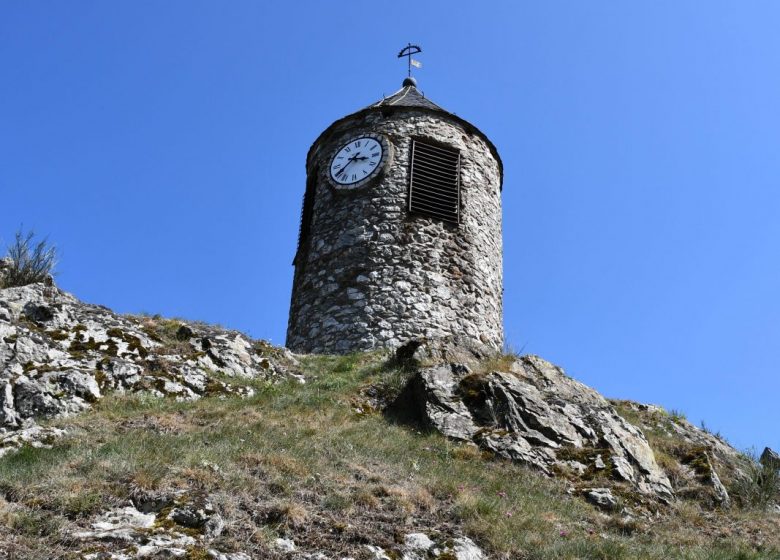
column 528, row 410
column 695, row 459
column 770, row 458
column 59, row 355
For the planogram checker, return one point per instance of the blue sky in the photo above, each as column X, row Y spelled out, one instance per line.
column 161, row 147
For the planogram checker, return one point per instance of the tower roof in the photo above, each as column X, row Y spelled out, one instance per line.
column 409, row 98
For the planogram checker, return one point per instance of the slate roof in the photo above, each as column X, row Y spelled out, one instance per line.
column 408, row 96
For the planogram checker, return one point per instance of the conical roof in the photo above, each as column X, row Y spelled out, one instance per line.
column 408, row 96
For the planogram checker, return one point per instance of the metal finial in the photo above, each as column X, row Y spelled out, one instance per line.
column 408, row 51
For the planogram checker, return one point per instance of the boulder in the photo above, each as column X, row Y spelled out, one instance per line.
column 601, row 498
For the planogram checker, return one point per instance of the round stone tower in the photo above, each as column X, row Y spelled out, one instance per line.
column 400, row 233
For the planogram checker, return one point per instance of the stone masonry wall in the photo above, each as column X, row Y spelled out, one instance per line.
column 371, row 275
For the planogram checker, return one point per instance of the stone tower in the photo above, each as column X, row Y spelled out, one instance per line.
column 400, row 234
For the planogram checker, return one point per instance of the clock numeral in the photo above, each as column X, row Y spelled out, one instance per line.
column 372, row 163
column 357, row 144
column 375, row 154
column 340, row 157
column 354, row 176
column 347, row 149
column 365, row 172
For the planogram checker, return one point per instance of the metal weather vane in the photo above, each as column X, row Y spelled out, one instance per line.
column 408, row 51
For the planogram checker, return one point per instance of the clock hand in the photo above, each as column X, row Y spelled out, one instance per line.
column 350, row 160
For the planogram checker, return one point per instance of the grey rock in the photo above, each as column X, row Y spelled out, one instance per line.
column 121, row 524
column 714, row 457
column 770, row 458
column 721, row 494
column 285, row 545
column 76, row 383
column 163, row 545
column 416, row 546
column 189, row 516
column 32, row 399
column 150, row 501
column 32, row 435
column 419, row 542
column 530, row 414
column 601, row 497
column 9, row 417
column 228, row 556
column 214, row 526
column 465, row 549
column 199, row 515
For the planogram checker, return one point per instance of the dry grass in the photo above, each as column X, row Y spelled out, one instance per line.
column 299, row 461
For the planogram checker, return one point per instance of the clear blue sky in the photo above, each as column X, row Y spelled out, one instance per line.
column 161, row 146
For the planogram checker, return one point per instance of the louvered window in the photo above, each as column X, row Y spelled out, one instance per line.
column 434, row 184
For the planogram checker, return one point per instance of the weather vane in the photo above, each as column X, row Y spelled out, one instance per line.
column 408, row 51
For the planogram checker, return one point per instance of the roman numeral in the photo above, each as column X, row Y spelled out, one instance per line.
column 354, row 176
column 372, row 163
column 357, row 144
column 365, row 172
column 347, row 149
column 375, row 154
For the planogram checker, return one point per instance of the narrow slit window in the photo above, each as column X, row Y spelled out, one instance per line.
column 434, row 182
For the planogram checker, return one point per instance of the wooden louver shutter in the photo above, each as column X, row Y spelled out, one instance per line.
column 434, row 182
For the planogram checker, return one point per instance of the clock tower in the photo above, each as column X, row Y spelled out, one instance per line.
column 400, row 234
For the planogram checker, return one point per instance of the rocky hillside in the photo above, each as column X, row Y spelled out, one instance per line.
column 142, row 437
column 58, row 355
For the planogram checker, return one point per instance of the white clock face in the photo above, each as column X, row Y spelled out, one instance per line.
column 358, row 159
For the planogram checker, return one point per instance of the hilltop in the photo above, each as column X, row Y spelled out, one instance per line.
column 145, row 437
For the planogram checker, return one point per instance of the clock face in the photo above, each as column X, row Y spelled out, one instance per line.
column 357, row 160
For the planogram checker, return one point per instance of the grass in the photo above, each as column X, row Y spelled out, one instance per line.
column 31, row 262
column 300, row 461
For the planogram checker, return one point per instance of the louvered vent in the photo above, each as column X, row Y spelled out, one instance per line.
column 434, row 185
